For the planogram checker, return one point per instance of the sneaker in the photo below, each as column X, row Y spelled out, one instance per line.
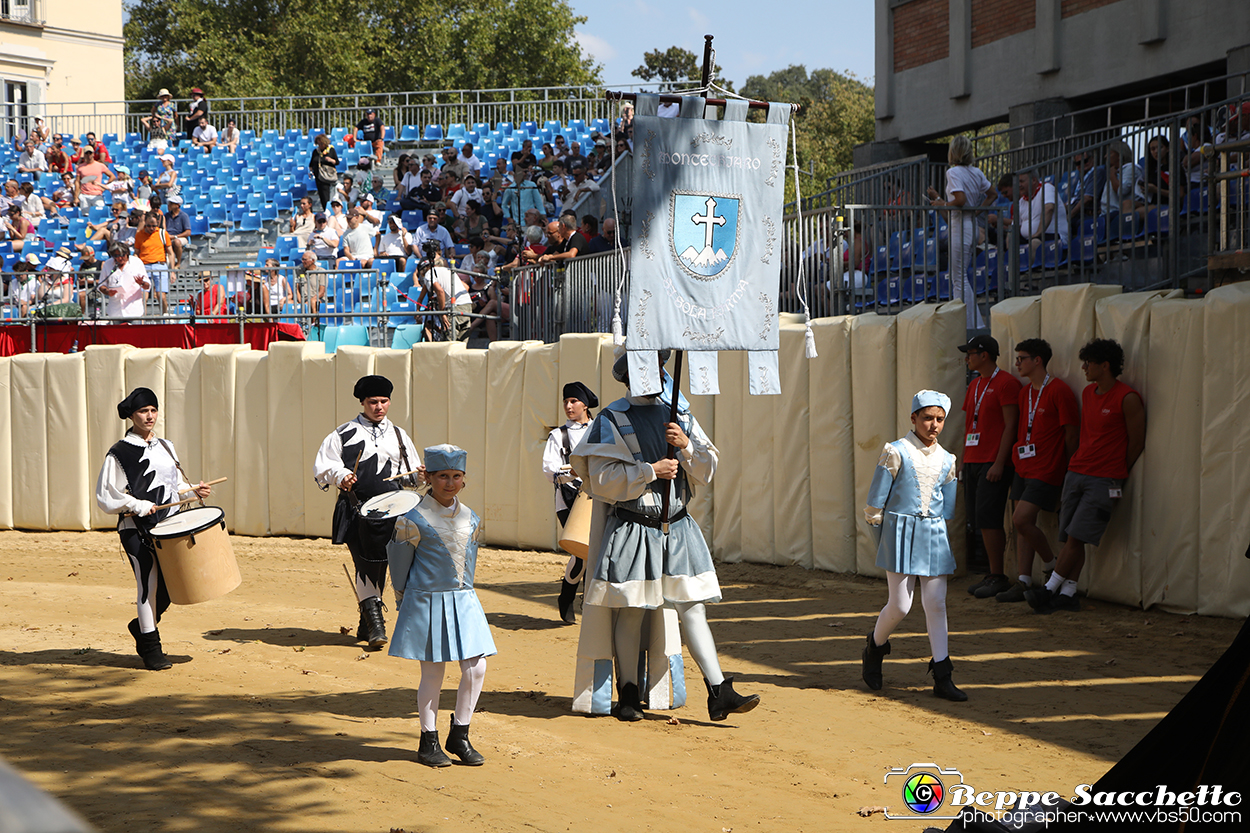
column 972, row 591
column 1014, row 593
column 1062, row 602
column 1038, row 599
column 992, row 586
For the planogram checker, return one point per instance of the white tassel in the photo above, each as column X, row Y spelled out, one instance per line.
column 809, row 338
column 618, row 331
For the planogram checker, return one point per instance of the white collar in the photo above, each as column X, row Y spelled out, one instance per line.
column 919, row 445
column 134, row 439
column 576, row 426
column 380, row 427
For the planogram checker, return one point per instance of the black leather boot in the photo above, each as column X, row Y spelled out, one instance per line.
column 458, row 745
column 942, row 685
column 568, row 594
column 429, row 752
column 722, row 700
column 873, row 655
column 628, row 707
column 375, row 626
column 148, row 646
column 362, row 629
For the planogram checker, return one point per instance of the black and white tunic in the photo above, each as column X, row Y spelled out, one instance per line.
column 377, row 447
column 138, row 474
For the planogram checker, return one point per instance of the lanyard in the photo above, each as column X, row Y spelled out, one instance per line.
column 1028, row 434
column 976, row 409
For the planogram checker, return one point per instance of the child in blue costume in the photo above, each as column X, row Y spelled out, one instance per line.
column 433, row 557
column 911, row 498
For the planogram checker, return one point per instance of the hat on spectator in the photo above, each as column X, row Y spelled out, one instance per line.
column 73, row 140
column 65, row 252
column 122, row 169
column 367, row 386
column 984, row 344
column 168, row 156
column 336, row 201
column 577, row 390
column 174, row 200
column 32, row 259
column 197, row 90
column 163, row 93
column 143, row 173
column 364, row 197
column 440, row 204
column 320, row 216
column 139, row 398
column 445, row 457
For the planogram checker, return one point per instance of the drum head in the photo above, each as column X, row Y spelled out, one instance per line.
column 389, row 505
column 188, row 522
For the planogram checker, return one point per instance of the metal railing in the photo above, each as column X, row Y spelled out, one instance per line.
column 579, row 297
column 1230, row 206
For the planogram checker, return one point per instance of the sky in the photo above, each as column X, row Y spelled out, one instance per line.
column 750, row 39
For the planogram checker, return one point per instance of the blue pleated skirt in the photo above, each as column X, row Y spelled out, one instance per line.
column 915, row 546
column 638, row 567
column 445, row 626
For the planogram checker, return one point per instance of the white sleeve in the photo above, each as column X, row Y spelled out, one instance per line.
column 328, row 468
column 110, row 491
column 552, row 458
column 700, row 457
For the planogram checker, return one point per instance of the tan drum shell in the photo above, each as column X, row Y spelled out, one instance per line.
column 575, row 538
column 198, row 566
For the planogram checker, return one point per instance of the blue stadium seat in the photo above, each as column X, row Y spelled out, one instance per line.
column 889, row 292
column 1086, row 250
column 481, row 128
column 406, row 336
column 602, row 125
column 530, row 127
column 1158, row 220
column 388, row 134
column 456, row 130
column 409, row 133
column 504, row 127
column 433, row 132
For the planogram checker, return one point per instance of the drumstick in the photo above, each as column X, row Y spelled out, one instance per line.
column 209, row 483
column 175, row 503
column 351, row 584
column 357, row 466
column 397, row 476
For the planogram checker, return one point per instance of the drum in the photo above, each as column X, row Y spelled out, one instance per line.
column 389, row 505
column 193, row 549
column 575, row 539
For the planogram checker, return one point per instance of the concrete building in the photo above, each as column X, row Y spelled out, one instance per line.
column 61, row 60
column 945, row 66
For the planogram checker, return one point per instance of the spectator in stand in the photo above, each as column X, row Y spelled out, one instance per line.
column 337, row 218
column 461, row 198
column 122, row 187
column 444, row 289
column 229, row 138
column 358, row 242
column 57, row 158
column 153, row 248
column 453, row 163
column 966, row 189
column 124, row 280
column 527, row 153
column 555, row 189
column 584, row 195
column 346, row 191
column 143, row 186
column 302, row 223
column 622, row 148
column 1113, row 434
column 33, row 207
column 25, row 289
column 32, row 160
column 472, row 164
column 606, row 241
column 470, row 262
column 395, row 244
column 277, row 286
column 474, row 223
column 574, row 157
column 197, row 109
column 92, row 177
column 178, row 227
column 429, row 163
column 418, row 191
column 323, row 242
column 527, row 256
column 1123, row 191
column 499, row 177
column 371, row 218
column 569, row 242
column 324, row 168
column 101, row 152
column 491, row 211
column 522, row 195
column 589, row 229
column 166, row 184
column 401, row 170
column 90, row 300
column 1093, row 178
column 211, row 299
column 448, row 185
column 310, row 284
column 364, row 175
column 205, row 135
column 64, row 193
column 17, row 227
column 373, row 131
column 561, row 148
column 1195, row 136
column 58, row 277
column 1039, row 212
column 433, row 231
column 484, row 296
column 39, row 133
column 161, row 123
column 1156, row 180
column 11, row 196
column 548, row 158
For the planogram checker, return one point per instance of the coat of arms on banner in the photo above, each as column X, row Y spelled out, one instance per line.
column 705, row 232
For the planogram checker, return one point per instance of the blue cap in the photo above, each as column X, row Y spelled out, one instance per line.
column 929, row 398
column 444, row 457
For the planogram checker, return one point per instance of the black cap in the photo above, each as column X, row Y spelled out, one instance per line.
column 580, row 392
column 367, row 386
column 985, row 344
column 139, row 398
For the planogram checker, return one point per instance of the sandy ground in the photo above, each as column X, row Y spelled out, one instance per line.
column 271, row 720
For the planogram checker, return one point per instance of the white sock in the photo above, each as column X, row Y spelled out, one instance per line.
column 1027, row 581
column 1048, row 565
column 1055, row 581
column 1069, row 588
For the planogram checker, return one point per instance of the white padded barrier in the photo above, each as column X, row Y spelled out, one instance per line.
column 251, row 443
column 70, row 481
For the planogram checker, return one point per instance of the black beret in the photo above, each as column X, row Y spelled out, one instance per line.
column 579, row 391
column 367, row 386
column 139, row 398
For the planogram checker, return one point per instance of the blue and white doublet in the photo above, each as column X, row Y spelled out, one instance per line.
column 433, row 557
column 911, row 497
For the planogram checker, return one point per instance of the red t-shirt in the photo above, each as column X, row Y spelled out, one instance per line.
column 1104, row 433
column 1053, row 408
column 992, row 394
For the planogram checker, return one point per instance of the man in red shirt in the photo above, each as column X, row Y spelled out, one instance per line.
column 991, row 412
column 1046, row 438
column 1113, row 434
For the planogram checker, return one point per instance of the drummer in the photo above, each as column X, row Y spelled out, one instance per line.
column 358, row 457
column 578, row 400
column 140, row 473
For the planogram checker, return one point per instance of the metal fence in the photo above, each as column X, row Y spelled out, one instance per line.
column 548, row 301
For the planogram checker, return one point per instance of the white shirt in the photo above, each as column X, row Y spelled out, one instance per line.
column 439, row 234
column 380, row 446
column 206, row 133
column 461, row 198
column 1032, row 210
column 358, row 243
column 455, row 287
column 927, row 463
column 553, row 456
column 33, row 161
column 474, row 164
column 324, row 243
column 970, row 181
column 129, row 302
column 395, row 243
column 112, row 492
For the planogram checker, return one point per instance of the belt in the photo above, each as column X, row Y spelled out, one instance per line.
column 646, row 520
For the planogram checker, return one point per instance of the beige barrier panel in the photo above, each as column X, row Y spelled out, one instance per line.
column 1115, row 573
column 1224, row 525
column 6, row 447
column 733, row 433
column 540, row 407
column 1170, row 465
column 71, row 483
column 466, row 409
column 430, row 417
column 106, row 382
column 396, row 365
column 1011, row 322
column 251, row 427
column 758, row 470
column 318, row 419
column 609, row 389
column 791, row 457
column 350, row 363
column 505, row 388
column 287, row 465
column 184, row 417
column 874, row 406
column 1068, row 323
column 703, row 409
column 217, row 424
column 28, row 418
column 830, row 447
column 145, row 368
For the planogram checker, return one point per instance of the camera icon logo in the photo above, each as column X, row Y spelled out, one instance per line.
column 924, row 788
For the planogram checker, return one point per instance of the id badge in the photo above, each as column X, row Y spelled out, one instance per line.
column 1115, row 493
column 1026, row 451
column 973, row 439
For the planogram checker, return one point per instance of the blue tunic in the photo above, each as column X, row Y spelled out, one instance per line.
column 913, row 495
column 433, row 557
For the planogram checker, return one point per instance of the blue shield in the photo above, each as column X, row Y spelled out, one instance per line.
column 705, row 232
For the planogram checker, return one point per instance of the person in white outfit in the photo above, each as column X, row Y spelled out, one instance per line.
column 966, row 189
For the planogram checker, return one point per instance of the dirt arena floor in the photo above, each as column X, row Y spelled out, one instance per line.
column 271, row 720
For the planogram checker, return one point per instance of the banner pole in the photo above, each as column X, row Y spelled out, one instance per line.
column 707, row 62
column 672, row 449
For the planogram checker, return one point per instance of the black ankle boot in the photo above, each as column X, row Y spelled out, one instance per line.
column 942, row 685
column 148, row 646
column 628, row 705
column 568, row 594
column 429, row 752
column 362, row 629
column 458, row 745
column 723, row 700
column 374, row 625
column 873, row 655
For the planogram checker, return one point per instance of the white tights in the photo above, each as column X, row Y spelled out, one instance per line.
column 472, row 676
column 698, row 637
column 932, row 596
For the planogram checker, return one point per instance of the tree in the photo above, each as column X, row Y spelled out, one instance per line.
column 676, row 67
column 308, row 47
